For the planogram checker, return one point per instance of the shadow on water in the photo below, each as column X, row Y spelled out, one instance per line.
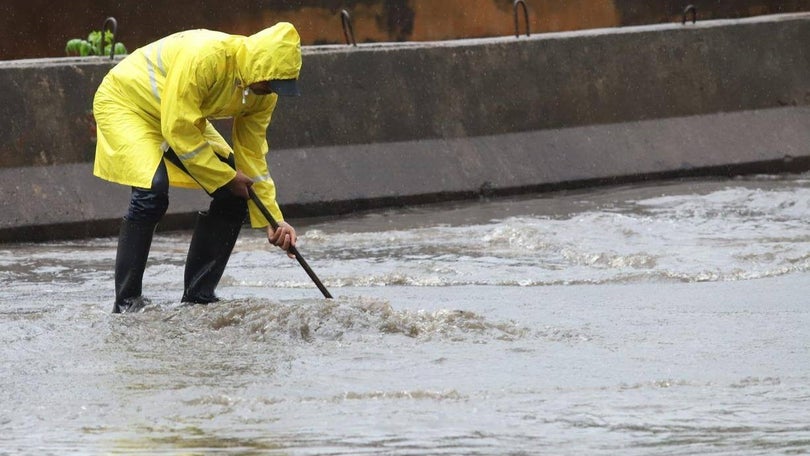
column 189, row 440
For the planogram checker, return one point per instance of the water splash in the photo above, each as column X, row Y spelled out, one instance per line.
column 260, row 320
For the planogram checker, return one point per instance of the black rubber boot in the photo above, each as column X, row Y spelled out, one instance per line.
column 208, row 254
column 134, row 242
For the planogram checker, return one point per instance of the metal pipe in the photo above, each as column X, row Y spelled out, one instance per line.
column 114, row 23
column 348, row 31
column 686, row 10
column 525, row 15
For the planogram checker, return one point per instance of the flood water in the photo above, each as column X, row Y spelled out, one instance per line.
column 669, row 318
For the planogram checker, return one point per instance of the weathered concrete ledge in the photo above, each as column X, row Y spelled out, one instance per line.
column 419, row 122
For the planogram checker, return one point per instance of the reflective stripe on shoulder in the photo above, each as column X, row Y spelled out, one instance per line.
column 150, row 68
column 160, row 58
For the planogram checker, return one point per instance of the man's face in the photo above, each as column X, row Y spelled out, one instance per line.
column 261, row 88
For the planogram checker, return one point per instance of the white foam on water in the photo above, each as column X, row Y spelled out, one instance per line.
column 342, row 319
column 614, row 321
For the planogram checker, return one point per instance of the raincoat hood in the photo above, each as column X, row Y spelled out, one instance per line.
column 273, row 53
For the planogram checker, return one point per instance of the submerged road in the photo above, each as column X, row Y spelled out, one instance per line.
column 669, row 318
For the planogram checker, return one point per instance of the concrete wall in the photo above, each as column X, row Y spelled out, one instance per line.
column 40, row 28
column 404, row 123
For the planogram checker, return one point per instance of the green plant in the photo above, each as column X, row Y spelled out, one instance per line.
column 92, row 45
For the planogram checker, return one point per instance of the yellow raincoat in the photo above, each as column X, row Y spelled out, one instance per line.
column 163, row 94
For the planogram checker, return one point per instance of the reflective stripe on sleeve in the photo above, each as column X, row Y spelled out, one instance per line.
column 264, row 178
column 193, row 153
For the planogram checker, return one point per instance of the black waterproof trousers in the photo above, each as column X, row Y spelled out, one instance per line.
column 211, row 245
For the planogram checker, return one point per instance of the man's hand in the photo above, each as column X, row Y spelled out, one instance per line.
column 284, row 237
column 239, row 185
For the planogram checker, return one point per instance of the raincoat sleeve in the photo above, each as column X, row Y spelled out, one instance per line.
column 183, row 124
column 250, row 147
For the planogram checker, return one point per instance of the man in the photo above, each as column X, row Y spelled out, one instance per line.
column 152, row 112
